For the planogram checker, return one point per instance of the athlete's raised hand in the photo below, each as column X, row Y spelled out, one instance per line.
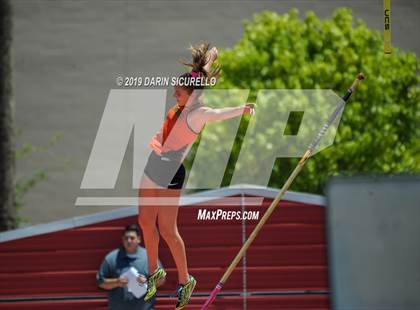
column 211, row 57
column 213, row 53
column 250, row 108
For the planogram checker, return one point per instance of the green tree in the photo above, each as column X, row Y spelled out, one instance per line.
column 379, row 129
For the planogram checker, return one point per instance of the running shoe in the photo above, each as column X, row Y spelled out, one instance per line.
column 152, row 281
column 184, row 293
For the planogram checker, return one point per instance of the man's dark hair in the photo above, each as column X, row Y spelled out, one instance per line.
column 132, row 227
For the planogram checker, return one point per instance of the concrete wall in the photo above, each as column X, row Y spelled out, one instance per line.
column 374, row 243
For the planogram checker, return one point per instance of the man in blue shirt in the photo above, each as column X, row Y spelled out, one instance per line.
column 116, row 263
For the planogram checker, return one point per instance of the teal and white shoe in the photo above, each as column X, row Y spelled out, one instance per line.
column 184, row 293
column 152, row 281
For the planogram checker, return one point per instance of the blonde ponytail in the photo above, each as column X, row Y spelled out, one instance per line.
column 199, row 60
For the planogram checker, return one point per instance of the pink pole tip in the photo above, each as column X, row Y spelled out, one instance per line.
column 212, row 296
column 361, row 76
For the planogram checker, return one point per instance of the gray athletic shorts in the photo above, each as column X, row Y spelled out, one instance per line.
column 165, row 171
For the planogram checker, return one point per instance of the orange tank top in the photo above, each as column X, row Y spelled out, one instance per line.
column 175, row 135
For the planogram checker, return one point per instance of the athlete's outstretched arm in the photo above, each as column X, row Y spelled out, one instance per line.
column 198, row 118
column 211, row 115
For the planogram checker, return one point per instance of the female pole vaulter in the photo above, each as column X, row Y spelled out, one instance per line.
column 166, row 160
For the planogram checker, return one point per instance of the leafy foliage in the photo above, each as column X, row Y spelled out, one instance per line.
column 379, row 129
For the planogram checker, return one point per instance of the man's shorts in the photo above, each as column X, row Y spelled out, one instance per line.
column 164, row 171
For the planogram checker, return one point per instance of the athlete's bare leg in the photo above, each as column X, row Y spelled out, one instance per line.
column 147, row 221
column 167, row 219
